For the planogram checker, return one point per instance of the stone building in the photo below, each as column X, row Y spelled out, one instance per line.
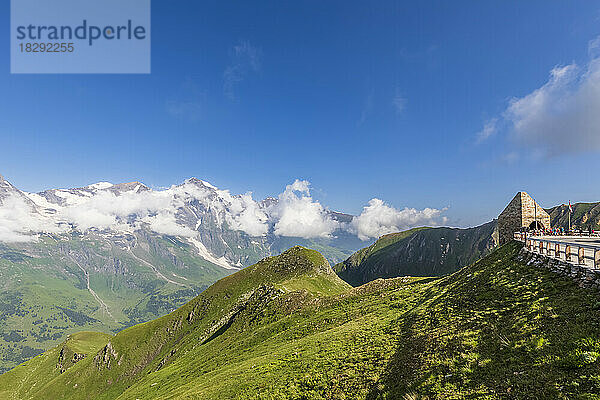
column 521, row 213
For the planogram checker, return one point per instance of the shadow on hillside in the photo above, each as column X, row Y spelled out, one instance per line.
column 499, row 329
column 403, row 369
column 426, row 280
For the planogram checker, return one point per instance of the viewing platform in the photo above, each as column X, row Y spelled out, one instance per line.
column 575, row 250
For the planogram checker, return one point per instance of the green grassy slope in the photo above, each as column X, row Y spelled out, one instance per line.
column 31, row 377
column 144, row 347
column 497, row 329
column 378, row 247
column 135, row 277
column 418, row 252
column 44, row 294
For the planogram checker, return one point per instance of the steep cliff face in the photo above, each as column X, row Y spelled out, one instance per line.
column 420, row 252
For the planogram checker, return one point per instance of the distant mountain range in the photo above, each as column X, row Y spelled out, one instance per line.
column 228, row 230
column 104, row 257
column 419, row 252
column 584, row 215
column 289, row 328
column 107, row 256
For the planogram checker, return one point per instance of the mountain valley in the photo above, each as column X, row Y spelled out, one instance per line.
column 288, row 327
column 105, row 257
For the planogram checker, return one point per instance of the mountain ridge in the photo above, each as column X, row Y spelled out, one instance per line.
column 498, row 328
column 419, row 252
column 584, row 215
column 115, row 255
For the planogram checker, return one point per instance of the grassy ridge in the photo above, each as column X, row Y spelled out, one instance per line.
column 497, row 329
column 30, row 378
column 418, row 252
column 376, row 248
column 44, row 295
column 146, row 347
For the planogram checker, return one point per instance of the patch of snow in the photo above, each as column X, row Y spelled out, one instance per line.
column 41, row 202
column 204, row 253
column 70, row 198
column 100, row 185
column 208, row 185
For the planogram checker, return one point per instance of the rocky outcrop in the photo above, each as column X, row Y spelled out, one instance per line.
column 67, row 358
column 583, row 216
column 106, row 357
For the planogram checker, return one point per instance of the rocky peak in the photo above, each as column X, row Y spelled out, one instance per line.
column 199, row 182
column 135, row 186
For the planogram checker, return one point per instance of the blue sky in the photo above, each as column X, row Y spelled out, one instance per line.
column 364, row 100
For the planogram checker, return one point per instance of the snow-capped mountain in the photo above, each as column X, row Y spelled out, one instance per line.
column 7, row 190
column 106, row 256
column 226, row 230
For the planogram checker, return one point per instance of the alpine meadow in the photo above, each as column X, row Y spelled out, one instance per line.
column 271, row 200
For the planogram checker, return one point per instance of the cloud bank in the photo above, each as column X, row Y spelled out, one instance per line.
column 183, row 209
column 20, row 223
column 560, row 117
column 378, row 218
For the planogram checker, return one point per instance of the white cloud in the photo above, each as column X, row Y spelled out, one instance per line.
column 106, row 210
column 561, row 116
column 594, row 47
column 19, row 222
column 297, row 214
column 165, row 223
column 179, row 210
column 489, row 130
column 378, row 218
column 245, row 58
column 245, row 214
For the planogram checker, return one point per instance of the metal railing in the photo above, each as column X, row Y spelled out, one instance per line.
column 561, row 250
